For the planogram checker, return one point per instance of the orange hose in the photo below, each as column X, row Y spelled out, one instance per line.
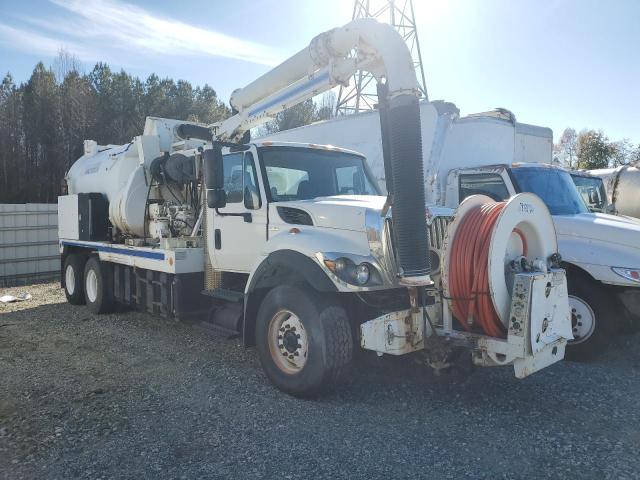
column 469, row 270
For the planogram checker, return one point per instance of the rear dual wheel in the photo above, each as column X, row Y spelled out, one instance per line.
column 98, row 286
column 73, row 272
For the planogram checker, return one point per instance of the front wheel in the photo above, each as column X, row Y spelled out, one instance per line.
column 592, row 318
column 304, row 341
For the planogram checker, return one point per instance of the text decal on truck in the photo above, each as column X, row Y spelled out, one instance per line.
column 526, row 208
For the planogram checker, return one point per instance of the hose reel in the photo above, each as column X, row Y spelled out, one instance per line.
column 484, row 243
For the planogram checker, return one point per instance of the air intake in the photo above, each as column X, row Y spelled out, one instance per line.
column 294, row 216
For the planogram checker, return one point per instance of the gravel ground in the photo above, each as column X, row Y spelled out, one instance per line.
column 130, row 395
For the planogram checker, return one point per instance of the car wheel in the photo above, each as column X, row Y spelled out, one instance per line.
column 304, row 340
column 592, row 318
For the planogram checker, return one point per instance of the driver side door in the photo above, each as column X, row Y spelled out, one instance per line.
column 240, row 228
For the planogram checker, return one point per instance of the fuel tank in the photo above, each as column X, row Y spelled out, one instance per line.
column 623, row 188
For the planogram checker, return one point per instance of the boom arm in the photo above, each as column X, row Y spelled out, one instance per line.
column 330, row 60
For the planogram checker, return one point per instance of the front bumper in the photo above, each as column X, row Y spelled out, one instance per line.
column 539, row 327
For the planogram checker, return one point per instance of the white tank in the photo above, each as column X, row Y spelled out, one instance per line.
column 104, row 169
column 623, row 188
column 117, row 172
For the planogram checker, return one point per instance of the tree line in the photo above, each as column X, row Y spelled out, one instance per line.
column 591, row 149
column 44, row 120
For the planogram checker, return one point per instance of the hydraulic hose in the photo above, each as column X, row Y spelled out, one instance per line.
column 471, row 301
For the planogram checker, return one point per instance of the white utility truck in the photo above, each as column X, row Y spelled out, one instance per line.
column 487, row 153
column 294, row 247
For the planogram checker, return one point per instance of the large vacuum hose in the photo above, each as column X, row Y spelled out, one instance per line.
column 409, row 216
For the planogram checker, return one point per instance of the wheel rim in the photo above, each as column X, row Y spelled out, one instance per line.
column 583, row 320
column 70, row 279
column 91, row 285
column 288, row 342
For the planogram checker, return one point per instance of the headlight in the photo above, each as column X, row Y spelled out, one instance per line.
column 632, row 274
column 356, row 271
column 362, row 273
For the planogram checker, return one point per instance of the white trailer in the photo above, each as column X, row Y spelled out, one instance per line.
column 295, row 248
column 492, row 154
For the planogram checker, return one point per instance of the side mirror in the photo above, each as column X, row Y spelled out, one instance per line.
column 214, row 177
column 213, row 168
column 216, row 198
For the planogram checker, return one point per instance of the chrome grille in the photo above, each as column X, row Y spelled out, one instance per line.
column 437, row 232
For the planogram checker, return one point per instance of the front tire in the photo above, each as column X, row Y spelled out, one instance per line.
column 304, row 341
column 73, row 272
column 98, row 286
column 592, row 318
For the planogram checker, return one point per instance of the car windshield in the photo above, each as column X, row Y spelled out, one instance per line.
column 592, row 191
column 553, row 186
column 295, row 173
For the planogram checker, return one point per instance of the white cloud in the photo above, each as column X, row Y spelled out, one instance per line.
column 119, row 32
column 32, row 42
column 131, row 28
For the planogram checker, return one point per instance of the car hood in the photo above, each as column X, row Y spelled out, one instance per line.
column 600, row 227
column 344, row 212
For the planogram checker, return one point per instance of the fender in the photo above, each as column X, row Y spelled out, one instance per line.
column 277, row 267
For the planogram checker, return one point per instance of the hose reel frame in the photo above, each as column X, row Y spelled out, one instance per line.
column 524, row 211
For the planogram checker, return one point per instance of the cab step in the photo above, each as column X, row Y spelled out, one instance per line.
column 225, row 294
column 225, row 320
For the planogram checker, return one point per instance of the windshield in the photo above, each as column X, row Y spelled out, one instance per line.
column 592, row 191
column 295, row 173
column 554, row 187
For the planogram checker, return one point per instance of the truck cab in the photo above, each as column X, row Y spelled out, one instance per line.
column 592, row 191
column 273, row 186
column 600, row 252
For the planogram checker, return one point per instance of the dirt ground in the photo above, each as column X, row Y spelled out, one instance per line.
column 130, row 395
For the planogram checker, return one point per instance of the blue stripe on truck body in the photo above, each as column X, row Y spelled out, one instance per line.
column 120, row 251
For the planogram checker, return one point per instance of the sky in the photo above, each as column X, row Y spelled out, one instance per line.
column 554, row 63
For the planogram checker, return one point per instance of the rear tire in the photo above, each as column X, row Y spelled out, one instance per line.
column 73, row 272
column 592, row 318
column 304, row 341
column 98, row 286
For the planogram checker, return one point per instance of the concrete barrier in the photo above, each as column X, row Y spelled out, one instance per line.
column 28, row 243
